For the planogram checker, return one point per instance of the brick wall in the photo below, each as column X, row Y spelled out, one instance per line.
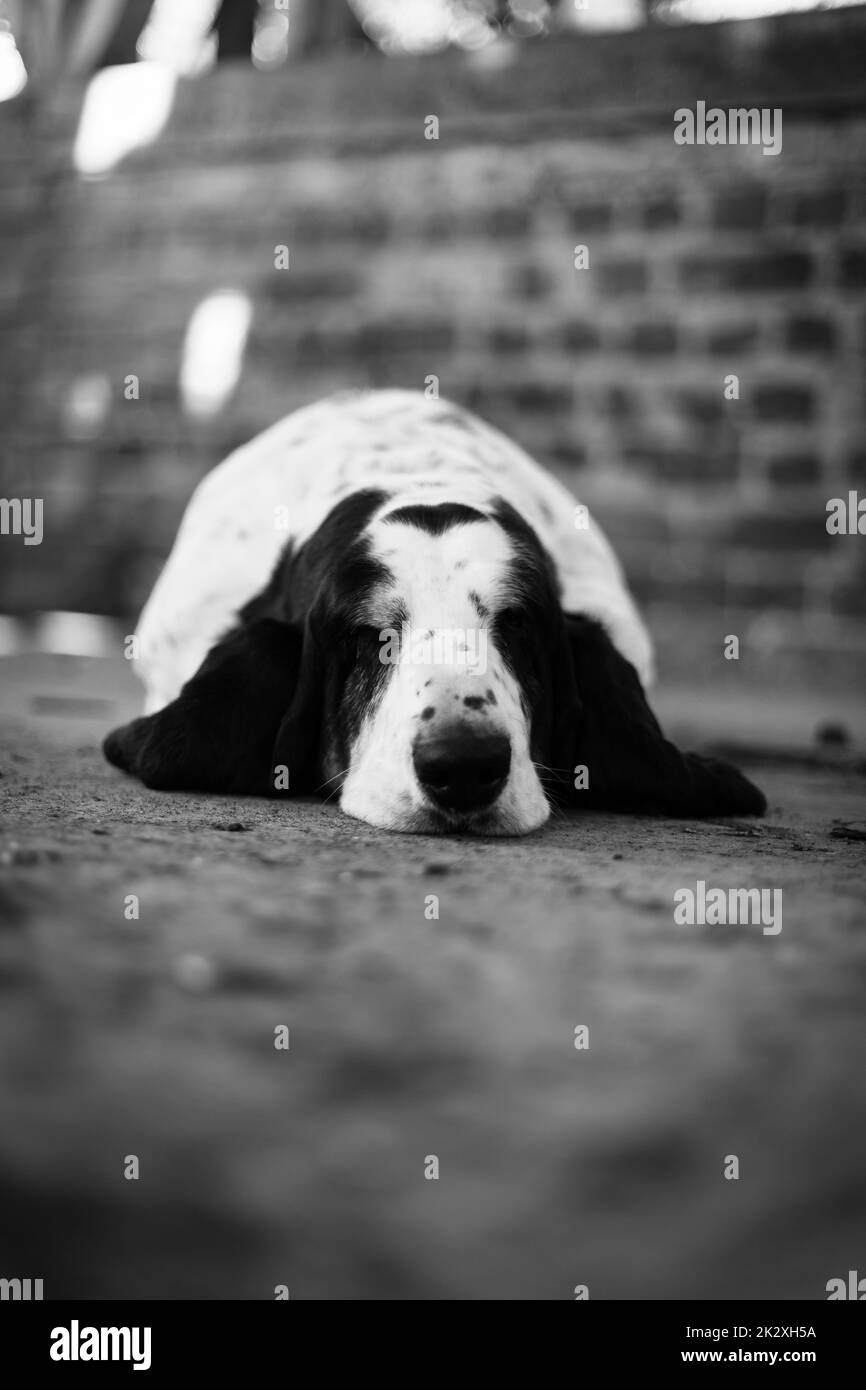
column 455, row 257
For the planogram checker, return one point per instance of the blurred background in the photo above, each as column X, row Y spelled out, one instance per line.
column 154, row 154
column 153, row 157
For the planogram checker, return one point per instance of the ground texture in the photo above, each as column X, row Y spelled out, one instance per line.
column 412, row 1037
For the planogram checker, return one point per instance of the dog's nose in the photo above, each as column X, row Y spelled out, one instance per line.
column 462, row 770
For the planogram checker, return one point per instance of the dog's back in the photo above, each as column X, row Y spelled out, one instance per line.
column 278, row 489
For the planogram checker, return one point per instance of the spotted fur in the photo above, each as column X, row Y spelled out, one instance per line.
column 262, row 642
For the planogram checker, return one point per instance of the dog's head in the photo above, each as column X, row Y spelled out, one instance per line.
column 431, row 631
column 415, row 661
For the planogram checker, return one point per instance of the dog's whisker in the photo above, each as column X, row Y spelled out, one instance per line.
column 558, row 771
column 329, row 780
column 335, row 791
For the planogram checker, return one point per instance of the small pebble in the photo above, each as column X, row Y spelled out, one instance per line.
column 195, row 973
column 832, row 734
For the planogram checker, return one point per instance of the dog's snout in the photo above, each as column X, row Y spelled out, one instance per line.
column 461, row 769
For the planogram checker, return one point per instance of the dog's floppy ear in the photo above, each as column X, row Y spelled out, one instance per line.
column 219, row 734
column 299, row 733
column 605, row 725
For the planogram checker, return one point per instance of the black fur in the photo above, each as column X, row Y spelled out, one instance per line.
column 529, row 634
column 286, row 688
column 219, row 734
column 331, row 571
column 436, row 518
column 605, row 724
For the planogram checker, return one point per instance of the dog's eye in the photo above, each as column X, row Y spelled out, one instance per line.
column 518, row 627
column 512, row 618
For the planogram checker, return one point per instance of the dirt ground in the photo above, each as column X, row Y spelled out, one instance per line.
column 412, row 1037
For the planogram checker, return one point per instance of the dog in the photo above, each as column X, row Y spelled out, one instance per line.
column 383, row 598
